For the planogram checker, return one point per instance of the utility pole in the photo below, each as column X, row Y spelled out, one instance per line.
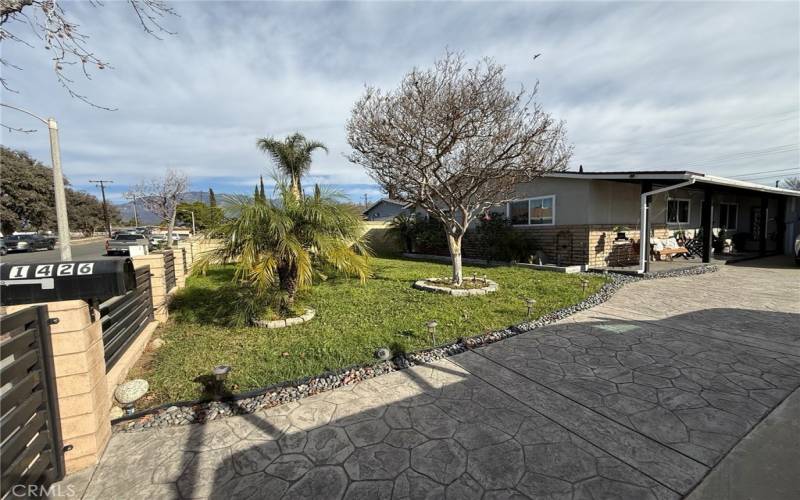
column 58, row 184
column 102, row 184
column 365, row 200
column 135, row 215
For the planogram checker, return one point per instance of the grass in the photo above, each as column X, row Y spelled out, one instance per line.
column 352, row 321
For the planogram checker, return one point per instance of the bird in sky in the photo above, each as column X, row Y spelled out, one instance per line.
column 536, row 55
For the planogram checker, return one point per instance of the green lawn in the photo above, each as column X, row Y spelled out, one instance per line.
column 352, row 321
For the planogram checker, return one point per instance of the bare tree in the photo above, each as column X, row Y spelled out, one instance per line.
column 455, row 141
column 65, row 43
column 161, row 196
column 792, row 183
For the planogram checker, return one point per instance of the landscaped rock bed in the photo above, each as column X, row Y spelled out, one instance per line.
column 188, row 412
column 469, row 287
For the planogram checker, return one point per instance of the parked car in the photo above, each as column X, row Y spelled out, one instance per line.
column 29, row 242
column 121, row 244
column 3, row 249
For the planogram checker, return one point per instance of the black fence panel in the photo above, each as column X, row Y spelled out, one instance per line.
column 31, row 452
column 124, row 317
column 169, row 269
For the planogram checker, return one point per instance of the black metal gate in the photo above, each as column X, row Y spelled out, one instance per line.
column 31, row 450
column 124, row 317
column 169, row 270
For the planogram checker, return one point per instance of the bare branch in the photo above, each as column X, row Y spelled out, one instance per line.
column 66, row 44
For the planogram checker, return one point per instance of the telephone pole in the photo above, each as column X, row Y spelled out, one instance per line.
column 102, row 184
column 365, row 200
column 132, row 196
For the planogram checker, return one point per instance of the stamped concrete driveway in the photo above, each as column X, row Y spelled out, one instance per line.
column 637, row 398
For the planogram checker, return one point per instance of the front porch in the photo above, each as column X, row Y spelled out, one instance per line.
column 678, row 264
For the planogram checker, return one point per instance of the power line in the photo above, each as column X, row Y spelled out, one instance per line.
column 797, row 169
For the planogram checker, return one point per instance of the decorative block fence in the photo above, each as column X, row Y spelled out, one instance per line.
column 95, row 345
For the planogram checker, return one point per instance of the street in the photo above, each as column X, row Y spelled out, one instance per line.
column 93, row 250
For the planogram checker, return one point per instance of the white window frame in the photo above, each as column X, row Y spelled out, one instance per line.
column 529, row 200
column 736, row 225
column 678, row 212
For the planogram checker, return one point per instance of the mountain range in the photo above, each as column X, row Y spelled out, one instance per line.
column 146, row 217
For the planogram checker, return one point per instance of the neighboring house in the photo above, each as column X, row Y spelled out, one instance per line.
column 574, row 216
column 386, row 209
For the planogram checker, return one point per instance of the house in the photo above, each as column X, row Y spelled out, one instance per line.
column 575, row 216
column 386, row 209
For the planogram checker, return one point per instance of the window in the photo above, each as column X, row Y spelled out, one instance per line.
column 677, row 211
column 535, row 211
column 728, row 216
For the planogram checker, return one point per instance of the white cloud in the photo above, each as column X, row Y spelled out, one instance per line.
column 641, row 86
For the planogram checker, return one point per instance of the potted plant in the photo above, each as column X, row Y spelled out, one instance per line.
column 620, row 230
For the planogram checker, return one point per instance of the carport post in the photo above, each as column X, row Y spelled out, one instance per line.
column 644, row 227
column 705, row 224
column 762, row 224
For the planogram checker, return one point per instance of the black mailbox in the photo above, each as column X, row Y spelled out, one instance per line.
column 54, row 281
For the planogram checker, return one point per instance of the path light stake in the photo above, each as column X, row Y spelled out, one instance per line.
column 432, row 331
column 584, row 285
column 530, row 303
column 474, row 277
column 220, row 373
column 485, row 281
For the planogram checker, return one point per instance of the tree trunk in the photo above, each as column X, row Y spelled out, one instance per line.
column 287, row 279
column 171, row 226
column 454, row 245
column 295, row 188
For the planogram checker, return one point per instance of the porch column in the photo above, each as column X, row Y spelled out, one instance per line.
column 705, row 224
column 762, row 232
column 644, row 228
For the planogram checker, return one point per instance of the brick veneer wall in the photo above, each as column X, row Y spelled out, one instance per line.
column 604, row 251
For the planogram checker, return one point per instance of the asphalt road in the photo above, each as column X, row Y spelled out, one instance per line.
column 94, row 250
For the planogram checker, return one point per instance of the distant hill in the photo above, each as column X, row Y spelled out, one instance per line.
column 147, row 217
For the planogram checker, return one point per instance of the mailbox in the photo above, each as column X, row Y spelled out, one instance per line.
column 55, row 281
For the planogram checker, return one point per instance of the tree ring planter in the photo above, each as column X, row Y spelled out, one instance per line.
column 283, row 323
column 429, row 285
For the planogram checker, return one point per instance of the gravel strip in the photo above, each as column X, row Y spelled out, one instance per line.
column 183, row 413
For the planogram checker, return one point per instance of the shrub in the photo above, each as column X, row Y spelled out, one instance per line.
column 500, row 242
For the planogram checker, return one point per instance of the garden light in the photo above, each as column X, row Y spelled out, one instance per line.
column 530, row 303
column 474, row 277
column 584, row 285
column 432, row 330
column 383, row 353
column 485, row 281
column 221, row 372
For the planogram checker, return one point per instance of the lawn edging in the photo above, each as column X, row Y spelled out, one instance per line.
column 200, row 411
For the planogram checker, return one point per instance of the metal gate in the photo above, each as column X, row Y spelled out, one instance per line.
column 31, row 450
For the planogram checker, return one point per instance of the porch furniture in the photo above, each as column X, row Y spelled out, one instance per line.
column 667, row 248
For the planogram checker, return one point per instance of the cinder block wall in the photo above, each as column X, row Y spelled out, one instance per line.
column 158, row 284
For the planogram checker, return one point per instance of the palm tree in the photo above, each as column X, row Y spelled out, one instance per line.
column 403, row 227
column 292, row 156
column 283, row 243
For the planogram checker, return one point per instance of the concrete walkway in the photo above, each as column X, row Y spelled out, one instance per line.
column 640, row 397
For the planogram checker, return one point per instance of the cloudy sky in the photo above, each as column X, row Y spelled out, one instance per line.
column 713, row 87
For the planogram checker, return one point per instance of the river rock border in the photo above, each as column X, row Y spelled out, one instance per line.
column 425, row 285
column 283, row 323
column 187, row 412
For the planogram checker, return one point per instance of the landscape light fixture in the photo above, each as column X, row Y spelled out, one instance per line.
column 474, row 277
column 530, row 303
column 432, row 330
column 221, row 372
column 485, row 281
column 584, row 285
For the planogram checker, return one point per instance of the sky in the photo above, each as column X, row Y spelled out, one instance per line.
column 711, row 87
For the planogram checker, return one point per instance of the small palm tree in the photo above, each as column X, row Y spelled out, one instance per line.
column 282, row 243
column 292, row 156
column 403, row 227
